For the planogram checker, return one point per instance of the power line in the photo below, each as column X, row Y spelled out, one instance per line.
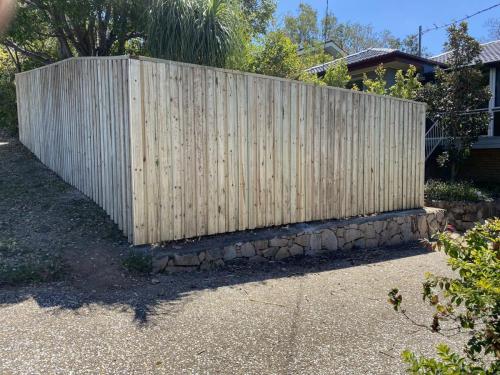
column 435, row 27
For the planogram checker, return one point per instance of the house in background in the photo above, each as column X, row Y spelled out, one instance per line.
column 490, row 57
column 366, row 61
column 483, row 165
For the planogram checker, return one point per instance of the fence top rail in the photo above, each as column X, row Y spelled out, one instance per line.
column 164, row 61
column 77, row 58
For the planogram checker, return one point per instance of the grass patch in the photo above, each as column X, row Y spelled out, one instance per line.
column 454, row 191
column 138, row 263
column 19, row 265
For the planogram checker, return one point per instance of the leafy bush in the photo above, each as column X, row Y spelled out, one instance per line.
column 453, row 191
column 471, row 300
column 8, row 106
column 407, row 84
column 337, row 74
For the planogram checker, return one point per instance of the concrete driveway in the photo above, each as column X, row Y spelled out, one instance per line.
column 306, row 316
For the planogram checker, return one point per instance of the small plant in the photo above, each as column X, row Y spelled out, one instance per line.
column 378, row 84
column 470, row 300
column 454, row 191
column 337, row 74
column 138, row 262
column 407, row 84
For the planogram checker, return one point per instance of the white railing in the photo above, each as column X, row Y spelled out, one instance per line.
column 433, row 138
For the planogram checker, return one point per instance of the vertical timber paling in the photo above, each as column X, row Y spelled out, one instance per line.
column 173, row 150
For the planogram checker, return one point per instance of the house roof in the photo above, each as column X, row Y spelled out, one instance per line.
column 371, row 55
column 490, row 53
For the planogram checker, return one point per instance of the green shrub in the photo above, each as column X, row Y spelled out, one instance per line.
column 8, row 107
column 470, row 300
column 138, row 262
column 453, row 191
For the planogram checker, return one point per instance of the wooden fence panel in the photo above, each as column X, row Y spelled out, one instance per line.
column 74, row 116
column 248, row 151
column 174, row 151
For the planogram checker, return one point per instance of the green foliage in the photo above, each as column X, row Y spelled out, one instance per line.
column 453, row 191
column 8, row 109
column 470, row 299
column 407, row 84
column 138, row 262
column 311, row 78
column 278, row 57
column 194, row 31
column 456, row 93
column 258, row 13
column 50, row 30
column 448, row 364
column 377, row 85
column 303, row 28
column 337, row 74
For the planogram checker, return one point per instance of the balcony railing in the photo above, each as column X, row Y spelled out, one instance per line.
column 433, row 138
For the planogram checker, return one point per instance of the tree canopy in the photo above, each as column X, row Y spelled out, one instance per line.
column 49, row 30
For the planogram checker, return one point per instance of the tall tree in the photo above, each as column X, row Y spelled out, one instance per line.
column 259, row 14
column 354, row 37
column 457, row 94
column 78, row 27
column 303, row 29
column 493, row 25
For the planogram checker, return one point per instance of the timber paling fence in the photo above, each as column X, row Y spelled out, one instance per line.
column 173, row 150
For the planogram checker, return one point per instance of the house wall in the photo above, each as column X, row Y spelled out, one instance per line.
column 482, row 166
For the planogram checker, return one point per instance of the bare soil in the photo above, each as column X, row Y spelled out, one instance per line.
column 49, row 230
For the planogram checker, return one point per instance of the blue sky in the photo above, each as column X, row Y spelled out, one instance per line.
column 403, row 17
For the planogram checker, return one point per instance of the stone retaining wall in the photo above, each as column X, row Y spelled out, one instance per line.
column 387, row 229
column 463, row 215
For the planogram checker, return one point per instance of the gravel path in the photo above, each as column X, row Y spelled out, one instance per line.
column 326, row 315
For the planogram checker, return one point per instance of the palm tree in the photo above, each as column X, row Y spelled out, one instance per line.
column 194, row 31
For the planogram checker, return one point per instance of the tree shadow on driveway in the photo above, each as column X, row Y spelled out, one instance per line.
column 142, row 295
